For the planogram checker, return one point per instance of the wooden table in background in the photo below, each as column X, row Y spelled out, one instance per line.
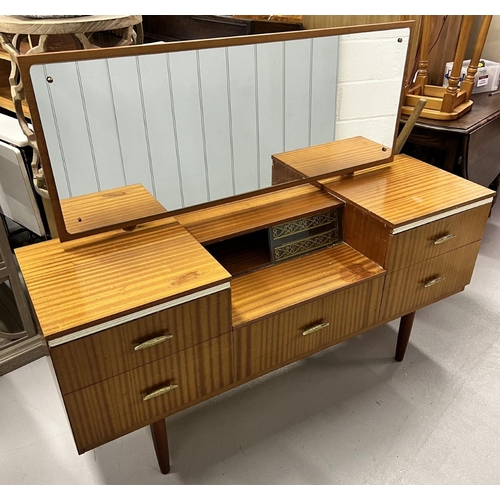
column 468, row 147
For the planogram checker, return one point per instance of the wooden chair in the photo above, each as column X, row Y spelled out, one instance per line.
column 447, row 103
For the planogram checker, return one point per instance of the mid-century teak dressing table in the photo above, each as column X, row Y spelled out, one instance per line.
column 148, row 314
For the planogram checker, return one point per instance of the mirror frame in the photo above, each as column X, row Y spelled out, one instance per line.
column 25, row 62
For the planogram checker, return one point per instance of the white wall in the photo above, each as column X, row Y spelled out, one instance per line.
column 491, row 49
column 371, row 71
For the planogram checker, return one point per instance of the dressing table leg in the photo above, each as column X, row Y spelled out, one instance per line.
column 160, row 441
column 405, row 326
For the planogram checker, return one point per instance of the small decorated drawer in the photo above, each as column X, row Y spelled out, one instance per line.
column 300, row 236
column 116, row 406
column 92, row 358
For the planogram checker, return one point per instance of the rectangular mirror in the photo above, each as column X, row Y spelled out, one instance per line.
column 196, row 122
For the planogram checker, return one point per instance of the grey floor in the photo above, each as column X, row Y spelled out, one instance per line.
column 348, row 415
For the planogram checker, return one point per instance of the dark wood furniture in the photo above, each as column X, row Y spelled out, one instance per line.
column 468, row 147
column 175, row 28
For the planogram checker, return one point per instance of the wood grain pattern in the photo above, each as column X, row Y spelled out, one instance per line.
column 110, row 207
column 404, row 289
column 239, row 217
column 88, row 281
column 334, row 158
column 267, row 344
column 297, row 281
column 112, row 408
column 416, row 245
column 97, row 357
column 406, row 190
column 365, row 234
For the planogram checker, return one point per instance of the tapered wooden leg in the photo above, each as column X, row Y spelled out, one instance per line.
column 404, row 335
column 160, row 441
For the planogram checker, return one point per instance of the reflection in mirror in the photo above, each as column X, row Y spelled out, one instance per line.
column 200, row 124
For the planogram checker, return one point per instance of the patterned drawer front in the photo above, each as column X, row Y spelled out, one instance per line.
column 116, row 406
column 304, row 235
column 88, row 360
column 436, row 238
column 285, row 337
column 429, row 281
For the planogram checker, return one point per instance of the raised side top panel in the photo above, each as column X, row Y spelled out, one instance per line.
column 79, row 284
column 407, row 192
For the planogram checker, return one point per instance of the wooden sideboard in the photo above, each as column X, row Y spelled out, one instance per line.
column 467, row 147
column 142, row 324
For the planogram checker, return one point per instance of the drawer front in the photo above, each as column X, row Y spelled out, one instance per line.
column 287, row 336
column 88, row 360
column 436, row 238
column 112, row 408
column 405, row 290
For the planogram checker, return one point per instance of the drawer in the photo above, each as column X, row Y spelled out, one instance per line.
column 287, row 336
column 116, row 406
column 421, row 284
column 88, row 360
column 436, row 238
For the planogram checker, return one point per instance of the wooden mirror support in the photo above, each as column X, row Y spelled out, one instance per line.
column 447, row 103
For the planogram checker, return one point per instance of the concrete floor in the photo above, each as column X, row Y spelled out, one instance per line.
column 348, row 415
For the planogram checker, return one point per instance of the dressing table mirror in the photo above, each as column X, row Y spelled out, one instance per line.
column 196, row 122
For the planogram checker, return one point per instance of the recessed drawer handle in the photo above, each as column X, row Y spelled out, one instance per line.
column 433, row 282
column 152, row 342
column 314, row 329
column 159, row 392
column 443, row 239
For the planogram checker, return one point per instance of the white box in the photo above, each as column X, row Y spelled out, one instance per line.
column 486, row 79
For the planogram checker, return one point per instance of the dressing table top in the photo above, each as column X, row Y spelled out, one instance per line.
column 406, row 191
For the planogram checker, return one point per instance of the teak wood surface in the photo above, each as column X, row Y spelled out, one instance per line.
column 77, row 284
column 243, row 216
column 87, row 281
column 406, row 190
column 110, row 207
column 271, row 342
column 334, row 158
column 365, row 233
column 405, row 291
column 115, row 406
column 419, row 244
column 298, row 281
column 97, row 357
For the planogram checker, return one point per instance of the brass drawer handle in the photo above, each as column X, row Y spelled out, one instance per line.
column 152, row 342
column 443, row 239
column 314, row 329
column 433, row 282
column 160, row 392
